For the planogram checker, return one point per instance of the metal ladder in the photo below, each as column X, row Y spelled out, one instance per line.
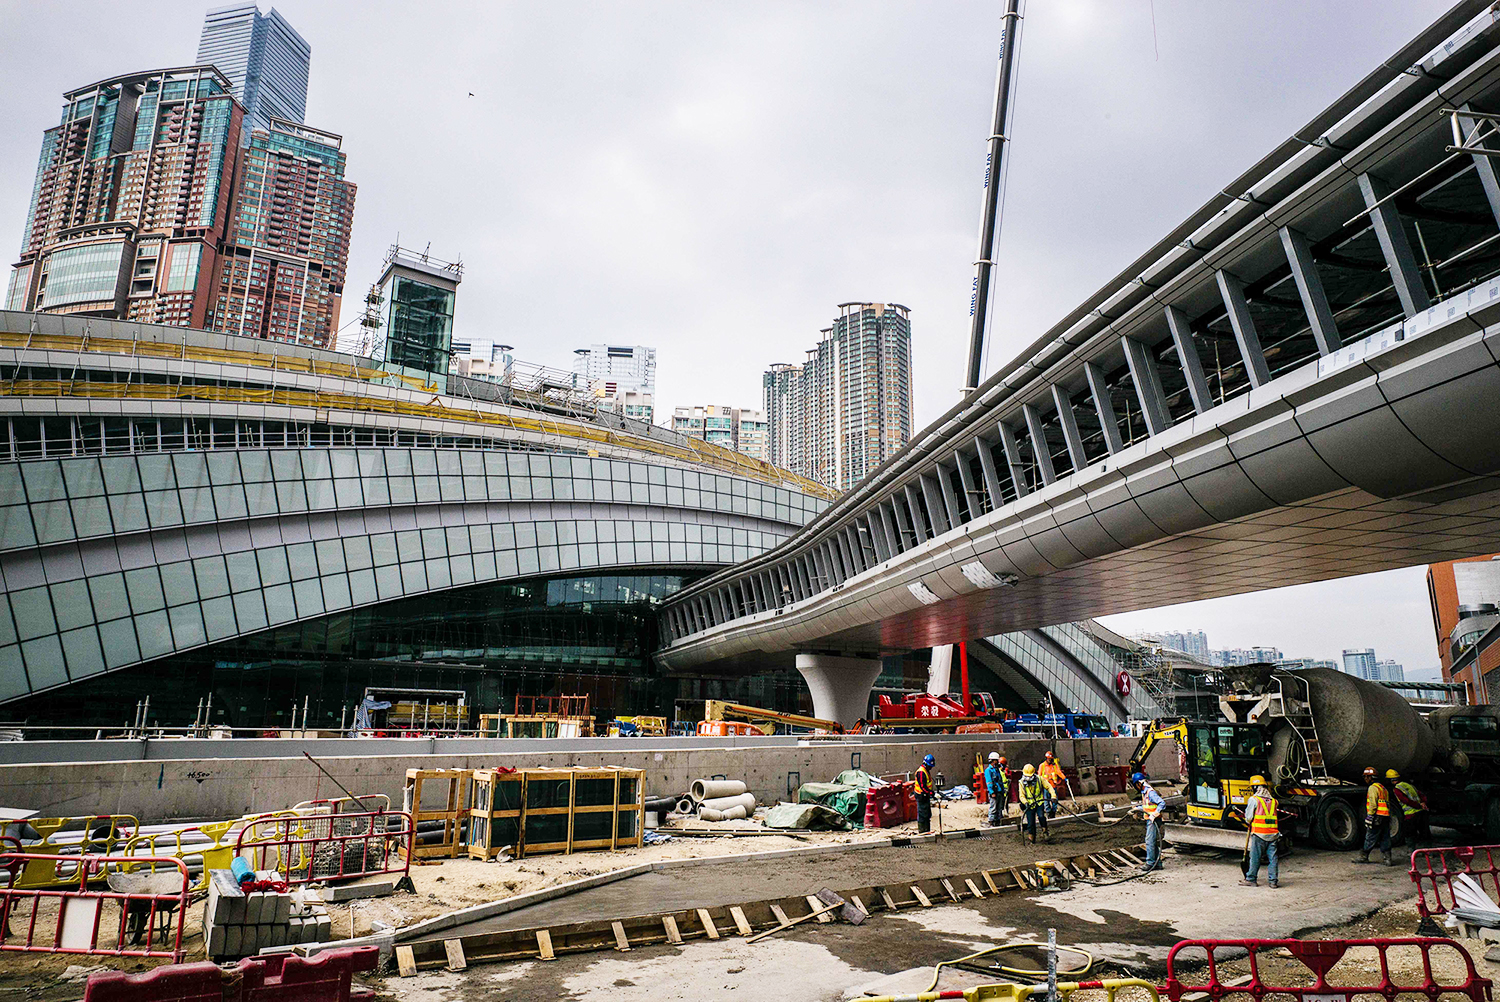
column 1296, row 708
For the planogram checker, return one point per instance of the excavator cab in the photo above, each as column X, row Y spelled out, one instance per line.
column 1221, row 759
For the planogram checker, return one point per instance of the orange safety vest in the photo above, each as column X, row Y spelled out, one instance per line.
column 1377, row 801
column 1052, row 775
column 1262, row 813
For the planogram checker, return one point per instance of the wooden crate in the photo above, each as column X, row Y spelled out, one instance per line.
column 453, row 790
column 495, row 799
column 540, row 811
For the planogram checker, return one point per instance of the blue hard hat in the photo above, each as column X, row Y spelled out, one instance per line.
column 928, row 760
column 1138, row 777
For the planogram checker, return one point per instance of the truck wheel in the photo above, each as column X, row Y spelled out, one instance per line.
column 1338, row 826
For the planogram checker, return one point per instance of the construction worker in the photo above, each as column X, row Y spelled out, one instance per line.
column 1377, row 820
column 924, row 793
column 1033, row 803
column 1260, row 818
column 997, row 785
column 1151, row 807
column 1052, row 783
column 1413, row 810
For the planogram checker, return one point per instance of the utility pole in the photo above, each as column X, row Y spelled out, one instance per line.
column 994, row 185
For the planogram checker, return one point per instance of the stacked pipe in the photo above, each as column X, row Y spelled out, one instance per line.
column 717, row 800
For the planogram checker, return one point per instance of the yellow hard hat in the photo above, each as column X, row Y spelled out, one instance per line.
column 1257, row 780
column 1030, row 770
column 1392, row 774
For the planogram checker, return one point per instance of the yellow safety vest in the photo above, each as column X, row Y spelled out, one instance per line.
column 1263, row 815
column 924, row 782
column 1410, row 798
column 1031, row 792
column 1377, row 801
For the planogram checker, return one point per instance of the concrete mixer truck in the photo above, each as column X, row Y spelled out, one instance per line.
column 1313, row 731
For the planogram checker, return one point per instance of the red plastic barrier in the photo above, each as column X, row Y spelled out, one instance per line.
column 95, row 920
column 279, row 978
column 1319, row 957
column 885, row 806
column 305, row 849
column 1433, row 870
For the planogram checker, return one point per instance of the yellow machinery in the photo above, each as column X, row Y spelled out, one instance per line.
column 766, row 720
column 638, row 726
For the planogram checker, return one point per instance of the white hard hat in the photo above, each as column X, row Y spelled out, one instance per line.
column 994, row 756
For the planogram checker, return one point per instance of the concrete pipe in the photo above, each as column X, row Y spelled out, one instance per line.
column 713, row 789
column 686, row 806
column 733, row 814
column 745, row 800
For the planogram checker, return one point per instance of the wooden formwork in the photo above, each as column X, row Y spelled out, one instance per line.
column 536, row 811
column 454, row 785
column 749, row 917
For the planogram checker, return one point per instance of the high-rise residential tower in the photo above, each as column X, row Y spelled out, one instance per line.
column 264, row 58
column 1361, row 663
column 625, row 375
column 739, row 428
column 846, row 409
column 282, row 274
column 131, row 199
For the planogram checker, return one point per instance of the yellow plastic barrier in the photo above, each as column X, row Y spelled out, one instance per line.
column 1023, row 993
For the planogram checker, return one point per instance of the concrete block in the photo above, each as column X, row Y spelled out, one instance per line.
column 1489, row 935
column 366, row 887
column 283, row 909
column 213, row 940
column 226, row 902
column 234, row 938
column 279, row 934
column 324, row 926
column 296, row 928
column 255, row 907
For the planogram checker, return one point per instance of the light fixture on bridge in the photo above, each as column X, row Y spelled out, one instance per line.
column 922, row 593
column 981, row 576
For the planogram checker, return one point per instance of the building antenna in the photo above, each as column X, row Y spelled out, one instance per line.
column 994, row 185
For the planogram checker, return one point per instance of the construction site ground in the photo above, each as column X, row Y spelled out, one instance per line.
column 1128, row 926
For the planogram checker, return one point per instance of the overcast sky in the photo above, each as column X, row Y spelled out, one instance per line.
column 713, row 179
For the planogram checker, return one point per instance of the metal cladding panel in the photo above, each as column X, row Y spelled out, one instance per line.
column 1172, row 510
column 1027, row 559
column 1127, row 524
column 1291, row 472
column 1399, row 465
column 1089, row 537
column 1053, row 544
column 1227, row 493
column 1468, row 443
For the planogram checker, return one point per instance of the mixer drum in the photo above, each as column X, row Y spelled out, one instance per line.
column 1362, row 724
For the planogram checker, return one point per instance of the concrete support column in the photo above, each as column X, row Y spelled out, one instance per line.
column 1148, row 389
column 1187, row 354
column 840, row 686
column 1104, row 407
column 1232, row 291
column 1039, row 443
column 1389, row 231
column 1310, row 287
column 1013, row 459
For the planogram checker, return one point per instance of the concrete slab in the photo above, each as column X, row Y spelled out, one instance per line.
column 379, row 886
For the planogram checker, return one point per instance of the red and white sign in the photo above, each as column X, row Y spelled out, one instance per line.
column 1122, row 683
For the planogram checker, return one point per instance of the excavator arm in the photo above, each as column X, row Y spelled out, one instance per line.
column 1166, row 727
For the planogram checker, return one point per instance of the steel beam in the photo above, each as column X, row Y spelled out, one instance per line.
column 888, row 524
column 1192, row 362
column 1039, row 443
column 966, row 482
column 914, row 509
column 1068, row 421
column 877, row 536
column 1148, row 390
column 991, row 475
column 950, row 496
column 1104, row 407
column 1310, row 287
column 1484, row 167
column 936, row 512
column 1400, row 262
column 1013, row 459
column 1232, row 290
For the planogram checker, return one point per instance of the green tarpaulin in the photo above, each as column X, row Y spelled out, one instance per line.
column 805, row 817
column 847, row 800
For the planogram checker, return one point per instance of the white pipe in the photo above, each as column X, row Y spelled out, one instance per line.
column 733, row 814
column 712, row 789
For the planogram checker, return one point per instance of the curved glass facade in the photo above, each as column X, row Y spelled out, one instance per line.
column 587, row 634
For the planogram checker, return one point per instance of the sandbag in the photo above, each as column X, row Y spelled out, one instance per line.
column 745, row 800
column 714, row 789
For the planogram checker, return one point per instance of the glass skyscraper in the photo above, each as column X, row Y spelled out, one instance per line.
column 264, row 58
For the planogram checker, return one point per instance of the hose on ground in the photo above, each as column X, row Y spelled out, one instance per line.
column 1020, row 972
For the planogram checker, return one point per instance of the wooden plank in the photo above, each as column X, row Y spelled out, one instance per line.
column 708, row 923
column 858, row 903
column 814, row 904
column 406, row 964
column 1021, row 881
column 622, row 941
column 454, row 948
column 544, row 945
column 670, row 924
column 890, row 902
column 973, row 888
column 781, row 918
column 948, row 886
column 1131, row 856
column 740, row 922
column 990, row 880
column 917, row 893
